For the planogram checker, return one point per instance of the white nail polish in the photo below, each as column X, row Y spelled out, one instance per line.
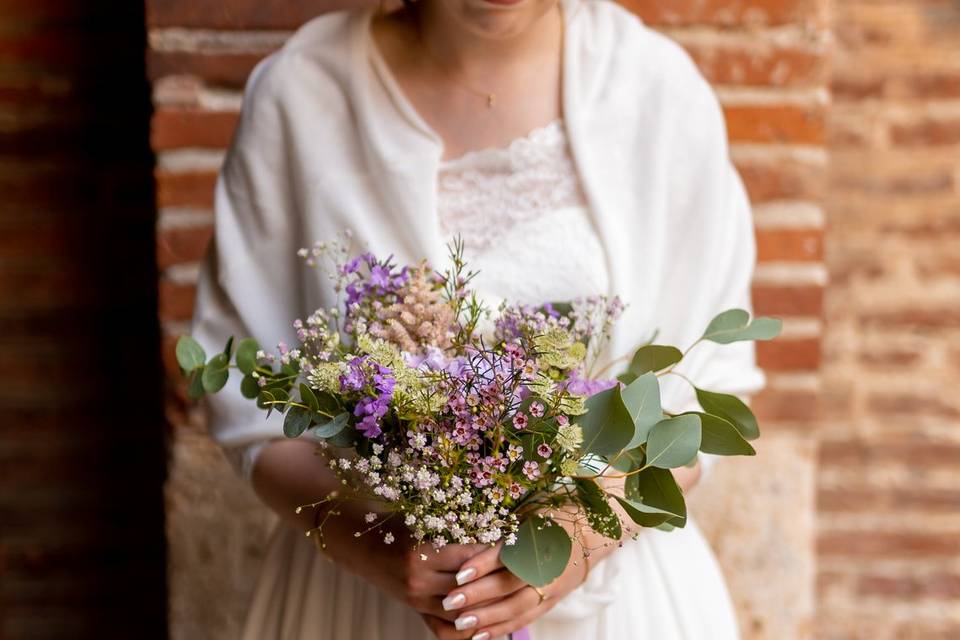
column 454, row 602
column 466, row 576
column 483, row 635
column 466, row 622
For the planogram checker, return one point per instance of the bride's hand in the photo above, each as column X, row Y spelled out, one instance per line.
column 495, row 602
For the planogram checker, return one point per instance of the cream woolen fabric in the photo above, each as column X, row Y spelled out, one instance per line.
column 326, row 143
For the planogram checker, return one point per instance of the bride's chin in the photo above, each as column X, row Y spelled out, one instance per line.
column 499, row 19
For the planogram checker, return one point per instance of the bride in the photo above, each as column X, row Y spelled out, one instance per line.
column 576, row 152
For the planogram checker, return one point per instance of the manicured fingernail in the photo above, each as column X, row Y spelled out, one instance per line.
column 466, row 622
column 466, row 576
column 483, row 635
column 454, row 602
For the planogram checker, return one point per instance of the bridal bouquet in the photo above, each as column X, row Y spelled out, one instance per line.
column 473, row 427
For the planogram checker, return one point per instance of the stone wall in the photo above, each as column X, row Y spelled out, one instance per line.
column 767, row 60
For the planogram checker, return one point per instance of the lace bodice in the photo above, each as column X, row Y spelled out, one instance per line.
column 523, row 218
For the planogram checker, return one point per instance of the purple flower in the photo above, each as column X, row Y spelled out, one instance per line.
column 531, row 469
column 580, row 386
column 544, row 450
column 520, row 421
column 380, row 276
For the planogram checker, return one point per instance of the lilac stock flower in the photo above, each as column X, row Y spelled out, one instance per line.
column 365, row 375
column 578, row 385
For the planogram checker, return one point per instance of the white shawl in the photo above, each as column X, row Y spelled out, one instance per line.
column 322, row 147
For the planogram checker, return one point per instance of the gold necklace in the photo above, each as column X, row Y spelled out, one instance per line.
column 489, row 96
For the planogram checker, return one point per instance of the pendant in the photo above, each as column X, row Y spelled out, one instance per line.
column 490, row 100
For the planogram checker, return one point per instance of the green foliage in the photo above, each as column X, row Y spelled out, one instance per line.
column 607, row 426
column 249, row 387
column 215, row 373
column 190, row 355
column 732, row 409
column 628, row 460
column 600, row 515
column 195, row 388
column 247, row 355
column 673, row 442
column 721, row 437
column 642, row 399
column 296, row 422
column 735, row 325
column 308, row 398
column 228, row 350
column 653, row 358
column 657, row 488
column 642, row 514
column 330, row 427
column 540, row 553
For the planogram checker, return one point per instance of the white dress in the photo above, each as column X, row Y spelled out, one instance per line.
column 513, row 207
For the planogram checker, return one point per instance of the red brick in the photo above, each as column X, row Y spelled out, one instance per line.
column 888, row 545
column 910, row 319
column 176, row 300
column 178, row 246
column 919, row 453
column 217, row 69
column 889, row 358
column 757, row 66
column 927, row 133
column 785, row 124
column 238, row 14
column 781, row 300
column 898, row 405
column 723, row 12
column 781, row 180
column 926, row 84
column 872, row 499
column 185, row 189
column 789, row 355
column 938, row 585
column 800, row 245
column 180, row 128
column 779, row 405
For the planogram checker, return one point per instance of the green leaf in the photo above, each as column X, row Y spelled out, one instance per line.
column 673, row 442
column 642, row 399
column 600, row 515
column 735, row 325
column 308, row 398
column 657, row 488
column 643, row 515
column 540, row 553
column 627, row 377
column 628, row 460
column 346, row 438
column 296, row 422
column 328, row 428
column 654, row 357
column 195, row 388
column 228, row 350
column 247, row 355
column 265, row 400
column 732, row 409
column 607, row 425
column 721, row 437
column 215, row 374
column 190, row 355
column 249, row 387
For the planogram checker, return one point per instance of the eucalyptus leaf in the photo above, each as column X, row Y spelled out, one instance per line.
column 654, row 357
column 296, row 422
column 600, row 515
column 607, row 425
column 721, row 437
column 673, row 442
column 190, row 355
column 627, row 377
column 228, row 350
column 540, row 553
column 657, row 488
column 308, row 398
column 732, row 409
column 642, row 399
column 628, row 460
column 195, row 389
column 734, row 325
column 643, row 515
column 249, row 387
column 328, row 428
column 215, row 373
column 247, row 355
column 265, row 400
column 346, row 438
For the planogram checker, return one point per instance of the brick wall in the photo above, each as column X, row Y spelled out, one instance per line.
column 767, row 59
column 81, row 428
column 889, row 480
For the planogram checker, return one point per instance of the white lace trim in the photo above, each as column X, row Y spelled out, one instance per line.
column 483, row 194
